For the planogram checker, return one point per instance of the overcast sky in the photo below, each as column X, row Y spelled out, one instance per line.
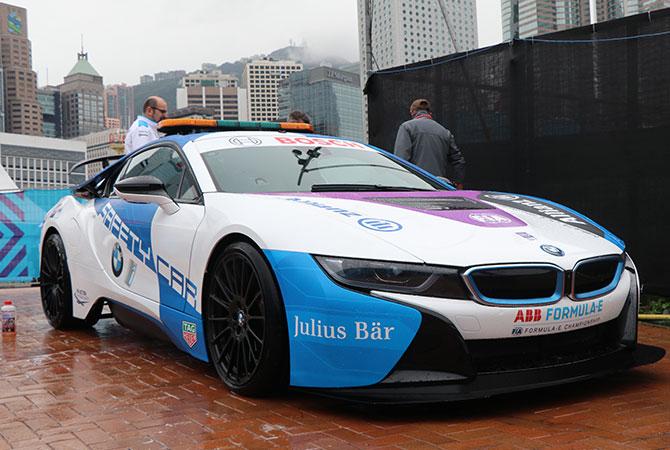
column 126, row 39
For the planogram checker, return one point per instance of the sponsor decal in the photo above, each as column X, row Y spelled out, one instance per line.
column 541, row 208
column 318, row 141
column 186, row 288
column 528, row 236
column 117, row 260
column 242, row 141
column 382, row 225
column 489, row 218
column 361, row 330
column 370, row 223
column 189, row 332
column 554, row 251
column 555, row 319
column 81, row 296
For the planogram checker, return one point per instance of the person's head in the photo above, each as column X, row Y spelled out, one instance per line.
column 155, row 108
column 299, row 117
column 420, row 104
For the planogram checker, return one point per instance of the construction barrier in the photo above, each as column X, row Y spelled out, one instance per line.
column 21, row 215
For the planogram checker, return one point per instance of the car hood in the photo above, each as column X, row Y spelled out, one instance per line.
column 458, row 228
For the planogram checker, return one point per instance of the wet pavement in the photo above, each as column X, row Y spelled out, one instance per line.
column 112, row 388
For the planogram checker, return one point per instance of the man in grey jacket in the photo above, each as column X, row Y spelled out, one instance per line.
column 429, row 145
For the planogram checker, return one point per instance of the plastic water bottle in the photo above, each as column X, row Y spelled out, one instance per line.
column 8, row 312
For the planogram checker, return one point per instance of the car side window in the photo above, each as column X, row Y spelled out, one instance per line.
column 188, row 191
column 163, row 163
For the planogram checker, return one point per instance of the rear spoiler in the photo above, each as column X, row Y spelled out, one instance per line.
column 103, row 159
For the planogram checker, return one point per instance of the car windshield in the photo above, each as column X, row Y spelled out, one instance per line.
column 309, row 168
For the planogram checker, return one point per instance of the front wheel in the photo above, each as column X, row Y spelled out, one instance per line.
column 56, row 287
column 245, row 322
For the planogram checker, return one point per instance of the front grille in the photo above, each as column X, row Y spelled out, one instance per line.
column 516, row 285
column 495, row 355
column 597, row 276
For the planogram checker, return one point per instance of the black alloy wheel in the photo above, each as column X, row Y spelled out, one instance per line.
column 56, row 287
column 245, row 323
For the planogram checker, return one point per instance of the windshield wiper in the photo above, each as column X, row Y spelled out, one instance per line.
column 361, row 187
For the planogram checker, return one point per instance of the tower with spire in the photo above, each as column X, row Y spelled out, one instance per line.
column 82, row 95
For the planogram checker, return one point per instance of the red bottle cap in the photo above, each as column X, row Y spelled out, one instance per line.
column 8, row 302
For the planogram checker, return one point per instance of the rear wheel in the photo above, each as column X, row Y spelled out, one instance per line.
column 56, row 288
column 245, row 323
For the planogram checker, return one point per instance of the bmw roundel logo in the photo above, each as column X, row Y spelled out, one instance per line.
column 379, row 225
column 117, row 260
column 555, row 251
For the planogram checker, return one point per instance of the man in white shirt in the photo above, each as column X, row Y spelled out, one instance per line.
column 143, row 130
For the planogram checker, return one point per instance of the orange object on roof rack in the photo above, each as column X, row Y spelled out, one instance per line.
column 188, row 126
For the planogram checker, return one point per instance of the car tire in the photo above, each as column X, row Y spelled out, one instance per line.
column 245, row 322
column 56, row 288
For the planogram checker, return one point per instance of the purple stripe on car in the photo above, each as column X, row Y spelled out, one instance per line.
column 484, row 215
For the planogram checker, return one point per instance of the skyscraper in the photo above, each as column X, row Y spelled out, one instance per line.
column 261, row 79
column 49, row 99
column 215, row 91
column 82, row 102
column 406, row 31
column 22, row 111
column 119, row 104
column 613, row 9
column 526, row 18
column 332, row 98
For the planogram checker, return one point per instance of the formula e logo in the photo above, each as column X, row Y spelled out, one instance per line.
column 117, row 260
column 379, row 225
column 245, row 140
column 502, row 196
column 490, row 218
column 189, row 332
column 555, row 251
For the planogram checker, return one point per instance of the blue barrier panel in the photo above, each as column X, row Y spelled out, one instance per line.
column 21, row 215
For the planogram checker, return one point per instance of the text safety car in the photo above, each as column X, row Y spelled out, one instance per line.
column 291, row 259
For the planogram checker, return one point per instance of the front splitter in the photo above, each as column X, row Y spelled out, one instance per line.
column 490, row 384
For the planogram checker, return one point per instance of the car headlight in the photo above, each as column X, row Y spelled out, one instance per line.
column 418, row 279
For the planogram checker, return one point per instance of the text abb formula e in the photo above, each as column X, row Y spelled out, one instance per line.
column 291, row 259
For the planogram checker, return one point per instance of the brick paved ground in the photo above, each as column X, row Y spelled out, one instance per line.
column 111, row 388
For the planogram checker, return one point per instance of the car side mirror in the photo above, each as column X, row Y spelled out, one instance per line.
column 146, row 189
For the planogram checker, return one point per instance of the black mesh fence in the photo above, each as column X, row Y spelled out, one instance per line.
column 583, row 123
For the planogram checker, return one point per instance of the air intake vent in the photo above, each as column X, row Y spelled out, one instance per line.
column 515, row 284
column 595, row 277
column 432, row 203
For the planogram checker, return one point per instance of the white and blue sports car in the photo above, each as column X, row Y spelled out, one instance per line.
column 291, row 259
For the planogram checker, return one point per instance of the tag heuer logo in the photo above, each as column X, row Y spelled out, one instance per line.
column 189, row 333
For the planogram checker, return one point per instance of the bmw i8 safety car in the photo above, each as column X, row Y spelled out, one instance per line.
column 290, row 259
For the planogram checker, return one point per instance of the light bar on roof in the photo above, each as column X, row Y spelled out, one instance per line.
column 181, row 126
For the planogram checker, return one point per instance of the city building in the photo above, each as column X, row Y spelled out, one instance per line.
column 119, row 103
column 407, row 31
column 614, row 9
column 22, row 112
column 82, row 99
column 111, row 122
column 49, row 100
column 193, row 112
column 209, row 78
column 102, row 143
column 162, row 84
column 527, row 18
column 332, row 98
column 261, row 79
column 214, row 91
column 41, row 162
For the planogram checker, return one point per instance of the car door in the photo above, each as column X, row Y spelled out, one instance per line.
column 151, row 250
